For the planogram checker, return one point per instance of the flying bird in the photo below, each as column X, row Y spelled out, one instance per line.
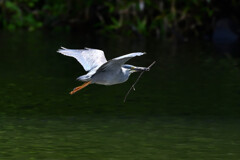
column 100, row 71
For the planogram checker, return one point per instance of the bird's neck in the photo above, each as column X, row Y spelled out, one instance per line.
column 126, row 72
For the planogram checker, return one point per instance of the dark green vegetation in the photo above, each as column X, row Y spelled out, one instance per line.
column 143, row 17
column 185, row 108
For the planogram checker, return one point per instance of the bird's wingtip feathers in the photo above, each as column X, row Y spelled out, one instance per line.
column 140, row 53
column 61, row 50
column 63, row 47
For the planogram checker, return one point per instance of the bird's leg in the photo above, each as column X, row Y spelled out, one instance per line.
column 80, row 87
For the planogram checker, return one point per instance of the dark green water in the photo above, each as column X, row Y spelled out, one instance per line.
column 186, row 107
column 119, row 138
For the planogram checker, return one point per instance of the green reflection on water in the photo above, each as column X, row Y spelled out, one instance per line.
column 40, row 120
column 119, row 138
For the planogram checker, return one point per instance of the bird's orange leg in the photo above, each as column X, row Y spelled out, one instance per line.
column 80, row 87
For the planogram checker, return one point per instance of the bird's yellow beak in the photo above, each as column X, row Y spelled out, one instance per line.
column 139, row 69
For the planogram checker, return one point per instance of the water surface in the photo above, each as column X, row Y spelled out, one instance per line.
column 186, row 107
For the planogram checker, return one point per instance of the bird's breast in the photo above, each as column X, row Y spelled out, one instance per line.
column 109, row 78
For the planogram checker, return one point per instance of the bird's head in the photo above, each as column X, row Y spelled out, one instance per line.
column 133, row 69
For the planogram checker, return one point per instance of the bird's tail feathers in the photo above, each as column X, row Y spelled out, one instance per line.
column 84, row 78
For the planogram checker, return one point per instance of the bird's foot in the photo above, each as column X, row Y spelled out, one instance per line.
column 80, row 87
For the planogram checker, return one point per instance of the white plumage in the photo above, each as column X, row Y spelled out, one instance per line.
column 88, row 58
column 100, row 70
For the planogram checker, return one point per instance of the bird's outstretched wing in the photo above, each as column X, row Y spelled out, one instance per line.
column 119, row 61
column 88, row 58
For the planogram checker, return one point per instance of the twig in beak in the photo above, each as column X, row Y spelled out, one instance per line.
column 133, row 86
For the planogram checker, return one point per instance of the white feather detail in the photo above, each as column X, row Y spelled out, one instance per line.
column 88, row 58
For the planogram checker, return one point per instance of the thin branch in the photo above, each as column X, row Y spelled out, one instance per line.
column 133, row 86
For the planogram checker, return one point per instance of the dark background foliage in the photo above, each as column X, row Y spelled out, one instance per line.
column 182, row 18
column 185, row 108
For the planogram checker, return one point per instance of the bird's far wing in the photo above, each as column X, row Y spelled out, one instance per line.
column 119, row 61
column 88, row 58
